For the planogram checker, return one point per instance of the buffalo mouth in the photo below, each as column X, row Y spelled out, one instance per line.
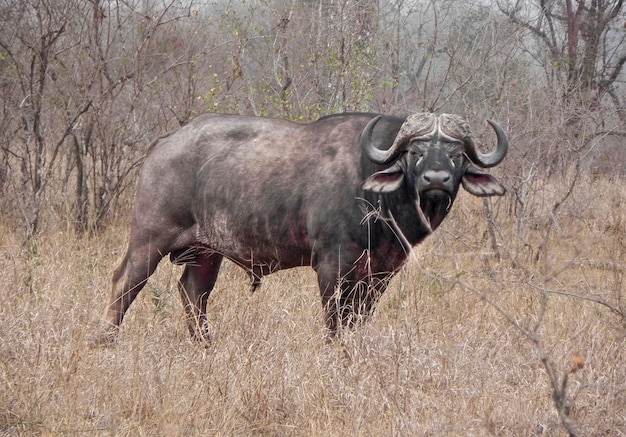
column 433, row 205
column 435, row 194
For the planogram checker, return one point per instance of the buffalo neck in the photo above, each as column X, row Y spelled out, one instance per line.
column 395, row 217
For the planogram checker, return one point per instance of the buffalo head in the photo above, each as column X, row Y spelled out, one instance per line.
column 430, row 157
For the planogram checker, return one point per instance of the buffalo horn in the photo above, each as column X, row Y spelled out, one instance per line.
column 407, row 131
column 489, row 159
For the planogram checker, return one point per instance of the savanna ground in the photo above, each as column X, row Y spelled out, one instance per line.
column 455, row 347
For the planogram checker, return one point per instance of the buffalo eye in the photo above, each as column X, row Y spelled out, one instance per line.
column 455, row 158
column 417, row 155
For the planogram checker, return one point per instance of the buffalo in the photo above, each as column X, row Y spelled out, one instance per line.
column 349, row 195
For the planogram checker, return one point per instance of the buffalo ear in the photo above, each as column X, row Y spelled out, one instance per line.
column 385, row 181
column 480, row 183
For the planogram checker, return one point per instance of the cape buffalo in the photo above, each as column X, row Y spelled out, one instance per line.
column 348, row 195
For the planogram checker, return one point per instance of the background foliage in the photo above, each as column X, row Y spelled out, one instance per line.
column 87, row 85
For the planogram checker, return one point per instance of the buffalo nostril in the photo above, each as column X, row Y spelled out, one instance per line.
column 436, row 177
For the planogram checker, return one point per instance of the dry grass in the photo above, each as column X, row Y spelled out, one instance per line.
column 437, row 359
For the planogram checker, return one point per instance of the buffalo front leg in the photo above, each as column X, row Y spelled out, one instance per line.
column 334, row 285
column 128, row 280
column 359, row 298
column 195, row 286
column 347, row 300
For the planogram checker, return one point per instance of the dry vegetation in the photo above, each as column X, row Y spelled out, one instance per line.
column 439, row 358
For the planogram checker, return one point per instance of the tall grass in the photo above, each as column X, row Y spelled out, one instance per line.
column 447, row 352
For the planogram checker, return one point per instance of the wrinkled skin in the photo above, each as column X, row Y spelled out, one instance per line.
column 270, row 194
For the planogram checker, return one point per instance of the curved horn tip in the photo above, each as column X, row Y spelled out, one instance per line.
column 369, row 127
column 374, row 154
column 493, row 123
column 373, row 121
column 500, row 133
column 494, row 158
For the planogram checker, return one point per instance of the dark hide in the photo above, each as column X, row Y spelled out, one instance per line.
column 270, row 194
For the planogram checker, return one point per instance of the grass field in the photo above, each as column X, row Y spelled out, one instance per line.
column 455, row 347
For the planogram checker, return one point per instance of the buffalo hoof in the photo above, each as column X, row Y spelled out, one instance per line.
column 106, row 336
column 202, row 335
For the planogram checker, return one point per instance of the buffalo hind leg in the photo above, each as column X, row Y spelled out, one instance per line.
column 128, row 280
column 195, row 286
